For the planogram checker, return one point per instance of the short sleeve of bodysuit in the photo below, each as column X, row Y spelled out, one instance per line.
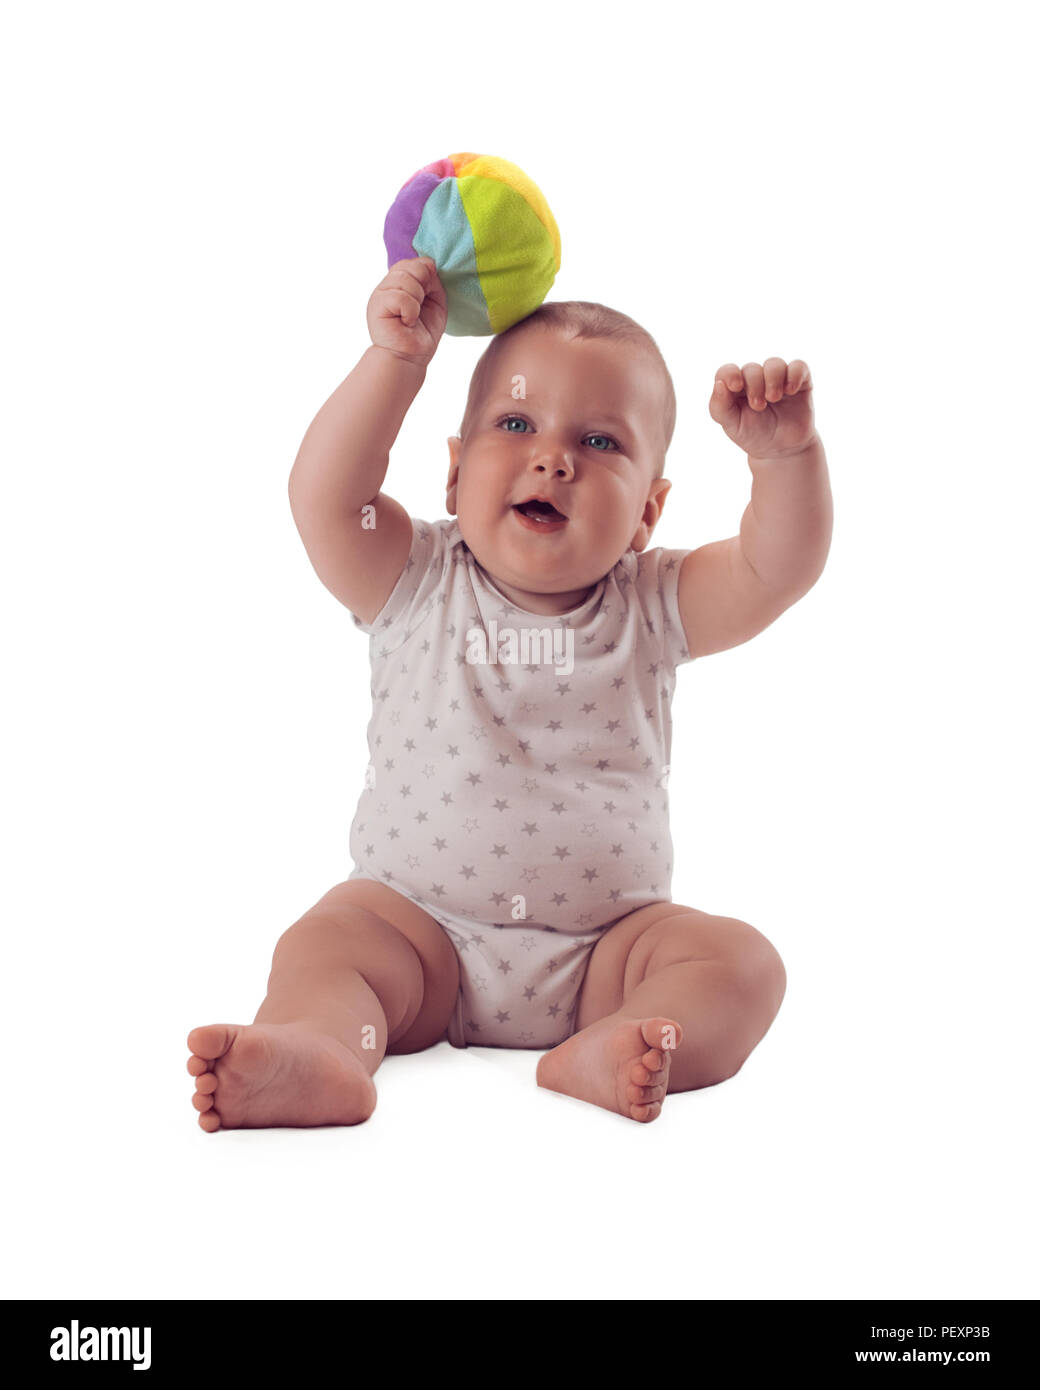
column 421, row 583
column 655, row 588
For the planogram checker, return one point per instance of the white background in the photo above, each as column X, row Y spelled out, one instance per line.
column 195, row 200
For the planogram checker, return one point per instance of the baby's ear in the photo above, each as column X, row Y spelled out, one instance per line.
column 454, row 450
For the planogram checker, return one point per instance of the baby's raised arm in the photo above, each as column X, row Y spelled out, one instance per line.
column 730, row 590
column 345, row 453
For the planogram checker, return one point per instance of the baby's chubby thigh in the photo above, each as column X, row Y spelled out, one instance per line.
column 434, row 950
column 660, row 934
column 615, row 962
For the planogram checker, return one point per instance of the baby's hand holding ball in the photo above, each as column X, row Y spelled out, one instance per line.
column 408, row 310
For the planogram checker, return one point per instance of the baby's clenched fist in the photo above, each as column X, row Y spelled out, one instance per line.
column 765, row 408
column 408, row 310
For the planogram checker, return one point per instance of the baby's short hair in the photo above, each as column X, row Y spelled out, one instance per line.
column 579, row 318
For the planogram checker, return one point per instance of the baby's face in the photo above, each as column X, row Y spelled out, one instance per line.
column 583, row 427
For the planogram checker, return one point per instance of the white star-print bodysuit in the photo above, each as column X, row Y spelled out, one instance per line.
column 517, row 782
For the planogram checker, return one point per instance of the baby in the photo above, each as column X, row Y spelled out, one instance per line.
column 512, row 854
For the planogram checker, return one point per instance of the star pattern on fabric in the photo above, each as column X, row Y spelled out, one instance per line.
column 538, row 790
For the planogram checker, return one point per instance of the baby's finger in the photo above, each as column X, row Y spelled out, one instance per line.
column 775, row 371
column 409, row 275
column 722, row 406
column 798, row 378
column 417, row 265
column 731, row 375
column 754, row 380
column 425, row 270
column 402, row 304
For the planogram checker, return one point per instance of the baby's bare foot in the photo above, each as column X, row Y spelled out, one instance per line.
column 261, row 1075
column 621, row 1064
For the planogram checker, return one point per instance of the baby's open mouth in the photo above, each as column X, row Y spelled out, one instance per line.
column 544, row 513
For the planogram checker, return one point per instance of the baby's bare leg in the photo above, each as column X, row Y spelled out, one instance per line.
column 346, row 985
column 674, row 999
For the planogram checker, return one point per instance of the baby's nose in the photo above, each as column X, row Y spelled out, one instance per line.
column 556, row 463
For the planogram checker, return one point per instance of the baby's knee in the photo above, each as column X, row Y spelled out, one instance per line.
column 347, row 935
column 757, row 966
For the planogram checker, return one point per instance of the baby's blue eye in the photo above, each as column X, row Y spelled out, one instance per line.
column 510, row 420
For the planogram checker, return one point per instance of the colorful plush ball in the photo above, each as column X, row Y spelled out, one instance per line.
column 490, row 234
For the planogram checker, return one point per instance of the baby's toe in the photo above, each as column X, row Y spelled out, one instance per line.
column 206, row 1084
column 197, row 1065
column 645, row 1113
column 641, row 1075
column 645, row 1095
column 202, row 1102
column 661, row 1034
column 211, row 1041
column 209, row 1122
